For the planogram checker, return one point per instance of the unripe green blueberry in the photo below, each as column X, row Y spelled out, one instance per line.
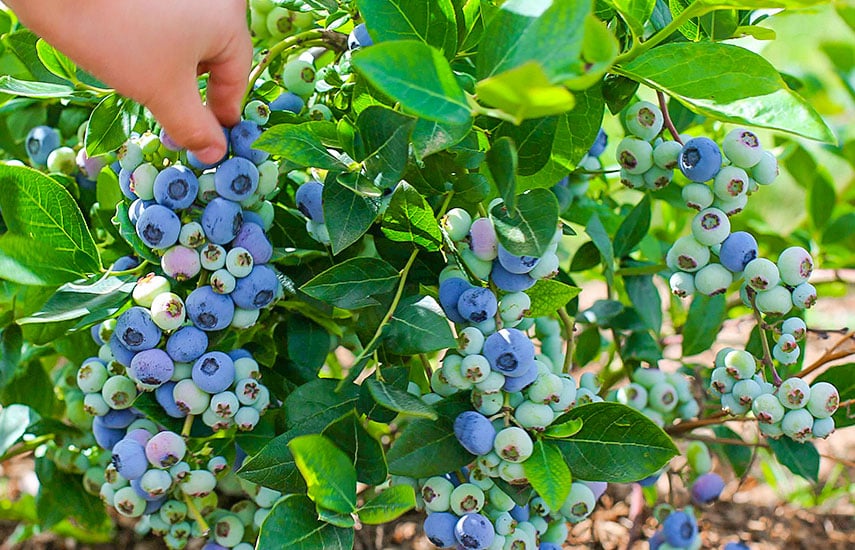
column 319, row 111
column 721, row 381
column 730, row 182
column 794, row 393
column 247, row 418
column 773, row 431
column 579, row 504
column 513, row 444
column 654, row 416
column 546, row 389
column 440, row 385
column 228, row 531
column 775, row 301
column 189, row 398
column 644, row 120
column 657, row 178
column 91, row 376
column 466, row 498
column 513, row 473
column 795, row 327
column 222, row 281
column 631, row 181
column 698, row 196
column 687, row 254
column 713, row 279
column 804, row 296
column 95, row 404
column 823, row 427
column 730, row 404
column 768, row 409
column 786, row 357
column 514, row 306
column 173, row 511
column 478, row 267
column 699, row 457
column 766, row 170
column 279, row 23
column 156, row 482
column 648, row 377
column 504, row 523
column 148, row 287
column 665, row 155
column 733, row 206
column 128, row 503
column 239, row 262
column 534, row 416
column 299, row 77
column 824, row 400
column 742, row 147
column 590, row 381
column 470, row 341
column 662, row 397
column 492, row 384
column 710, row 226
column 798, row 425
column 475, row 368
column 119, row 392
column 130, row 155
column 436, row 493
column 796, row 265
column 761, row 274
column 159, row 527
column 745, row 391
column 257, row 111
column 167, row 311
column 456, row 223
column 198, row 483
column 633, row 395
column 740, row 364
column 634, row 155
column 567, row 397
column 546, row 267
column 451, row 370
column 207, row 188
column 142, row 180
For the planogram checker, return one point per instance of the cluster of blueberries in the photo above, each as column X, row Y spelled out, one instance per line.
column 795, row 408
column 45, row 150
column 662, row 397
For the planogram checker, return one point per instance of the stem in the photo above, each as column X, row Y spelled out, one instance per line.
column 683, row 427
column 667, row 116
column 203, row 525
column 689, row 13
column 831, row 354
column 188, row 425
column 26, row 447
column 764, row 340
column 276, row 50
column 426, row 365
column 569, row 325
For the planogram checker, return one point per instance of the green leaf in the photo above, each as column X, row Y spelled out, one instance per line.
column 524, row 92
column 353, row 283
column 55, row 61
column 427, row 448
column 294, row 524
column 109, row 126
column 821, row 200
column 739, row 456
column 600, row 238
column 14, row 421
column 534, row 141
column 548, row 296
column 410, row 219
column 390, row 504
column 616, row 444
column 129, row 233
column 502, row 161
column 431, row 137
column 274, row 466
column 433, row 22
column 329, row 474
column 348, row 215
column 61, row 496
column 366, row 452
column 107, row 191
column 543, row 31
column 386, row 137
column 548, row 474
column 417, row 76
column 11, row 342
column 634, row 12
column 301, row 144
column 800, row 458
column 308, row 346
column 313, row 406
column 27, row 88
column 399, row 401
column 95, row 302
column 47, row 242
column 843, row 378
column 729, row 83
column 645, row 298
column 633, row 228
column 23, row 44
column 563, row 430
column 418, row 326
column 706, row 315
column 527, row 228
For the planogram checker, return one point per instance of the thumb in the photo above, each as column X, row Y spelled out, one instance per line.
column 188, row 122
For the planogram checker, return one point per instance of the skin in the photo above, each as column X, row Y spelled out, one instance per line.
column 152, row 52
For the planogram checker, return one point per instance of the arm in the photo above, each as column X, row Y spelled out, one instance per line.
column 152, row 52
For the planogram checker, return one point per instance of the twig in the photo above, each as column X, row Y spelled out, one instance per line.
column 831, row 354
column 203, row 525
column 667, row 116
column 764, row 340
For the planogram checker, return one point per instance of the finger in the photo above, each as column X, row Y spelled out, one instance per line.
column 228, row 78
column 188, row 122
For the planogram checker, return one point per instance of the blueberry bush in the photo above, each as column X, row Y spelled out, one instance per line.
column 439, row 268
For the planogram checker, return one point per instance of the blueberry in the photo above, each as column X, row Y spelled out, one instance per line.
column 221, row 220
column 105, row 437
column 509, row 352
column 151, row 367
column 40, row 142
column 739, row 248
column 450, row 291
column 236, row 179
column 214, row 372
column 700, row 159
column 707, row 488
column 193, row 161
column 518, row 383
column 181, row 262
column 309, row 199
column 129, row 459
column 477, row 304
column 241, row 138
column 680, row 529
column 120, row 352
column 599, row 145
column 209, row 310
column 516, row 264
column 251, row 237
column 158, row 227
column 125, row 263
column 166, row 399
column 439, row 529
column 256, row 290
column 359, row 38
column 474, row 532
column 482, row 239
column 176, row 187
column 167, row 141
column 520, row 513
column 287, row 101
column 187, row 344
column 510, row 282
column 474, row 432
column 165, row 449
column 136, row 329
column 118, row 418
column 736, row 546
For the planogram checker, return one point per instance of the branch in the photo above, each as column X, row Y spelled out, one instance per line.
column 667, row 116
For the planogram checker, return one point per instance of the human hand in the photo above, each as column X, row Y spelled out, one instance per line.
column 152, row 52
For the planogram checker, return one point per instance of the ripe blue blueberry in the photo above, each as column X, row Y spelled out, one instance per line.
column 236, row 179
column 700, row 159
column 309, row 199
column 176, row 187
column 509, row 352
column 707, row 488
column 105, row 437
column 40, row 142
column 474, row 432
column 136, row 330
column 241, row 138
column 510, row 282
column 151, row 367
column 186, row 344
column 737, row 250
column 477, row 304
column 680, row 529
column 450, row 291
column 221, row 220
column 209, row 310
column 287, row 101
column 516, row 264
column 256, row 290
column 599, row 145
column 474, row 532
column 214, row 372
column 359, row 37
column 158, row 227
column 514, row 384
column 166, row 399
column 129, row 459
column 251, row 237
column 439, row 529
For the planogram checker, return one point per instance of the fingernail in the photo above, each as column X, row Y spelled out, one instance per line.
column 210, row 154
